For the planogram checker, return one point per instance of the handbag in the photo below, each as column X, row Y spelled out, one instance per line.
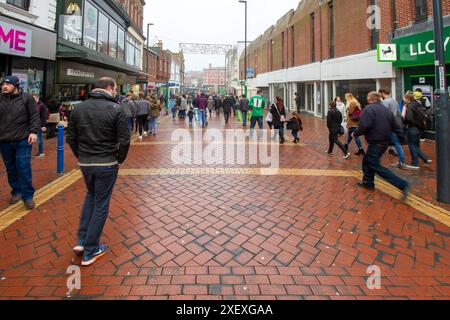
column 239, row 115
column 356, row 115
column 54, row 118
column 269, row 117
column 341, row 131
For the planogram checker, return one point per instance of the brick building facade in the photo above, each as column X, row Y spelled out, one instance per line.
column 326, row 48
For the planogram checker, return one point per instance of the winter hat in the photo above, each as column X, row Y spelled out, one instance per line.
column 12, row 80
column 418, row 95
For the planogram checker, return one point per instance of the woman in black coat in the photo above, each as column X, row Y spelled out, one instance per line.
column 334, row 124
column 278, row 112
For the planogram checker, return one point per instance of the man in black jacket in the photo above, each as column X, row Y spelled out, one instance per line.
column 99, row 137
column 19, row 119
column 376, row 124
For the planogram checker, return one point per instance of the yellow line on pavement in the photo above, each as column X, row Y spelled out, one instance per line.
column 17, row 211
column 429, row 209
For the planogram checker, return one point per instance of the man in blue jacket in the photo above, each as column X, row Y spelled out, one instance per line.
column 377, row 124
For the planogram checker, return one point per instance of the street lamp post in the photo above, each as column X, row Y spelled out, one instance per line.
column 245, row 49
column 442, row 112
column 148, row 53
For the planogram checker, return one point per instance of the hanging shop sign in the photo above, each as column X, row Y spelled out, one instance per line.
column 15, row 40
column 419, row 49
column 387, row 52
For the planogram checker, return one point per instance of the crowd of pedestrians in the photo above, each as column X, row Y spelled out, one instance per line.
column 384, row 123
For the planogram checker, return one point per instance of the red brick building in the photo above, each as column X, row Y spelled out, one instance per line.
column 327, row 48
column 214, row 76
column 157, row 63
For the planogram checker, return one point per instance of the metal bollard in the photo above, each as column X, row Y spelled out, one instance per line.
column 60, row 160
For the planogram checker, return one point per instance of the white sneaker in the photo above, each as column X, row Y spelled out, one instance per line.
column 413, row 167
column 347, row 155
column 429, row 162
column 140, row 138
column 145, row 134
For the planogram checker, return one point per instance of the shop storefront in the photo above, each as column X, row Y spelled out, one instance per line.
column 415, row 62
column 28, row 52
column 75, row 80
column 94, row 42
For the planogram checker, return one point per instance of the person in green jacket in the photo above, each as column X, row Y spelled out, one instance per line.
column 257, row 105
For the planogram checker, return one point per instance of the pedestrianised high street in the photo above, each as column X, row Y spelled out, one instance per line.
column 292, row 151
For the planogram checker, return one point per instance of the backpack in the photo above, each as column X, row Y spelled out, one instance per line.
column 420, row 116
column 356, row 114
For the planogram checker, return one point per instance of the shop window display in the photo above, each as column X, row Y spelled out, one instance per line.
column 90, row 26
column 71, row 21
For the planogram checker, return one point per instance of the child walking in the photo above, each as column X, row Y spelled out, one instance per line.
column 295, row 125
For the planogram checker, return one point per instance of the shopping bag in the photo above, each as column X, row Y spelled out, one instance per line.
column 249, row 116
column 239, row 115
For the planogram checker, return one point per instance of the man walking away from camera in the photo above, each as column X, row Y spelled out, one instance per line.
column 99, row 137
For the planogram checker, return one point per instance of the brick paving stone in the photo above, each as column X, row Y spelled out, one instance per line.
column 210, row 245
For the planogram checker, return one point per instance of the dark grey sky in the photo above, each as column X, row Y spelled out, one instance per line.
column 210, row 21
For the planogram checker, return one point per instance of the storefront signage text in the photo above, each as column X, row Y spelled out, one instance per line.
column 419, row 49
column 80, row 74
column 15, row 40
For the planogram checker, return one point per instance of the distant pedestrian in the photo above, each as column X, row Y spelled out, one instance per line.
column 217, row 104
column 335, row 129
column 143, row 111
column 99, row 153
column 354, row 111
column 257, row 105
column 43, row 116
column 342, row 109
column 278, row 112
column 295, row 125
column 211, row 105
column 377, row 124
column 298, row 102
column 227, row 106
column 415, row 114
column 154, row 115
column 244, row 107
column 129, row 107
column 392, row 105
column 54, row 117
column 202, row 103
column 20, row 123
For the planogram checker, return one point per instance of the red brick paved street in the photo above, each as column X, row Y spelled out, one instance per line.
column 241, row 236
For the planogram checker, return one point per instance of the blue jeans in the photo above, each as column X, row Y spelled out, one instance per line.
column 414, row 146
column 100, row 182
column 398, row 147
column 357, row 139
column 253, row 122
column 372, row 165
column 244, row 118
column 130, row 123
column 153, row 124
column 203, row 118
column 40, row 142
column 17, row 159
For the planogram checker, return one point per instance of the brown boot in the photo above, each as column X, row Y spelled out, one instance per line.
column 15, row 199
column 29, row 204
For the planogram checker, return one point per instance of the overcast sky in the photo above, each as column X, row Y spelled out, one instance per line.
column 210, row 21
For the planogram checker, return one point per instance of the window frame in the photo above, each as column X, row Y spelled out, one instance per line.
column 423, row 5
column 25, row 7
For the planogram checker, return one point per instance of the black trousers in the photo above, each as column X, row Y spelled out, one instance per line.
column 333, row 139
column 141, row 123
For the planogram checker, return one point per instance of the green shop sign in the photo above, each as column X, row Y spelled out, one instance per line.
column 418, row 49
